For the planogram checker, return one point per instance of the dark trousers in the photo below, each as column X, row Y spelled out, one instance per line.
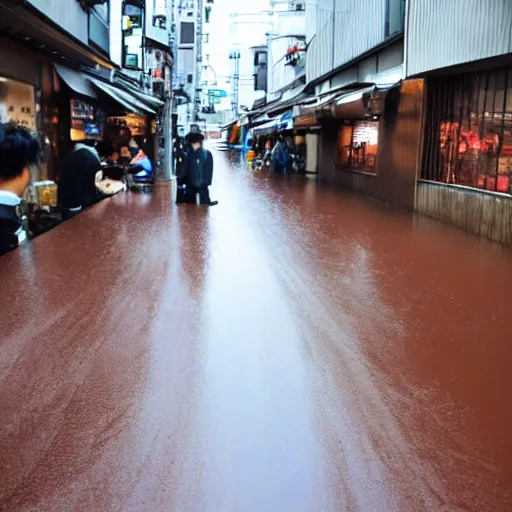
column 204, row 195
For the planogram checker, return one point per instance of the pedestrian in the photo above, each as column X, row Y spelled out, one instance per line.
column 197, row 171
column 280, row 155
column 77, row 186
column 19, row 151
column 142, row 168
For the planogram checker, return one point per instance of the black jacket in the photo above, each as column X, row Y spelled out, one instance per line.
column 77, row 181
column 197, row 169
column 10, row 224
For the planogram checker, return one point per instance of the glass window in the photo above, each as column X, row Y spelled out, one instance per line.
column 86, row 121
column 160, row 14
column 187, row 33
column 469, row 133
column 17, row 103
column 358, row 144
column 132, row 36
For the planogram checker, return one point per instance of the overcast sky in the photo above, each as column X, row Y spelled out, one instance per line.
column 228, row 33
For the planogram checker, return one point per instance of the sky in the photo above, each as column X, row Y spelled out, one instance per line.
column 228, row 33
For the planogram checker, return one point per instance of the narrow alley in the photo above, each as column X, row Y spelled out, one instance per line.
column 293, row 349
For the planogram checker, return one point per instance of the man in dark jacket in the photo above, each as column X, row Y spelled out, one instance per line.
column 77, row 186
column 197, row 171
column 19, row 151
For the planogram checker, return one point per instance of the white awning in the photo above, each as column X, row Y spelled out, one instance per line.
column 354, row 96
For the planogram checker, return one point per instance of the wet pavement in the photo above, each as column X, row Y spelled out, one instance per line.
column 292, row 349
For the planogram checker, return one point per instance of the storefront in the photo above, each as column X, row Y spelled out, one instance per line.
column 137, row 124
column 466, row 173
column 370, row 140
column 17, row 103
column 27, row 97
column 358, row 142
column 87, row 121
column 469, row 140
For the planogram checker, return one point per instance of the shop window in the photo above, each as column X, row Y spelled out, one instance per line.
column 187, row 33
column 137, row 124
column 395, row 16
column 160, row 14
column 357, row 145
column 468, row 140
column 99, row 33
column 132, row 35
column 17, row 103
column 86, row 121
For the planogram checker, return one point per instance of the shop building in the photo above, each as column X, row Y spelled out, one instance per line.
column 465, row 171
column 368, row 118
column 189, row 16
column 61, row 73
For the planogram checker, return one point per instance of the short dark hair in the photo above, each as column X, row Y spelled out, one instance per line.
column 104, row 148
column 18, row 149
column 194, row 137
column 127, row 130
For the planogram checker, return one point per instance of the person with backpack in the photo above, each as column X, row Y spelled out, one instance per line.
column 197, row 171
column 280, row 155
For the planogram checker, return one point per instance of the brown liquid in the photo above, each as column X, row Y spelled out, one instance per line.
column 292, row 349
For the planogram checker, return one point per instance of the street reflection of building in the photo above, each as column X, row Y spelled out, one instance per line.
column 66, row 67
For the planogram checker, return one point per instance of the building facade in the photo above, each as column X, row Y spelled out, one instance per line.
column 189, row 17
column 465, row 171
column 414, row 101
column 72, row 70
column 369, row 118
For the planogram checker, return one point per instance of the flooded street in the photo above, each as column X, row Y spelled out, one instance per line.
column 293, row 349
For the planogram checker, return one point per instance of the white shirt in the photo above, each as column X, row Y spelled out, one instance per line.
column 9, row 198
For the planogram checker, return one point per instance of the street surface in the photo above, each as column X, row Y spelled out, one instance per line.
column 292, row 349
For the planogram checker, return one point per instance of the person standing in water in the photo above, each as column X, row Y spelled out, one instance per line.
column 197, row 171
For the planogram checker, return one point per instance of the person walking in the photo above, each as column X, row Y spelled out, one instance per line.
column 19, row 150
column 280, row 155
column 197, row 171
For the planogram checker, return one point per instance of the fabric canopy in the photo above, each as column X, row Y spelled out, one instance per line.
column 151, row 100
column 123, row 98
column 78, row 82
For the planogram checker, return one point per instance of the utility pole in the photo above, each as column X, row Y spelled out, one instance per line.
column 166, row 157
column 235, row 57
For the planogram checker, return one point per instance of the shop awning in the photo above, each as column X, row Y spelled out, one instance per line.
column 123, row 98
column 264, row 118
column 354, row 96
column 147, row 98
column 78, row 82
column 228, row 125
column 361, row 103
column 317, row 109
column 267, row 127
column 301, row 97
column 279, row 124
